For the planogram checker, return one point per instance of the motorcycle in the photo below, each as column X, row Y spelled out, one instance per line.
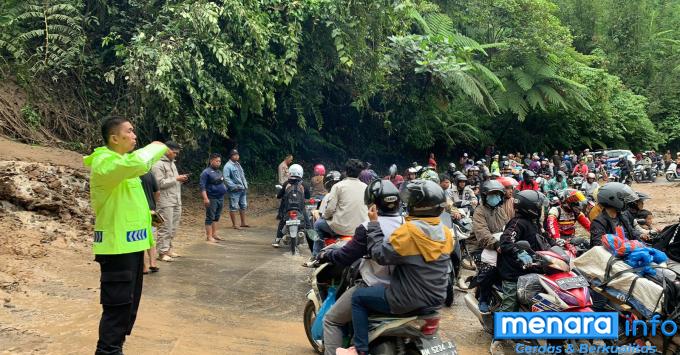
column 615, row 176
column 293, row 235
column 640, row 174
column 462, row 229
column 673, row 173
column 557, row 289
column 389, row 334
column 577, row 181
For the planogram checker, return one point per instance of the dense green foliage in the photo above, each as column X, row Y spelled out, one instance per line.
column 382, row 80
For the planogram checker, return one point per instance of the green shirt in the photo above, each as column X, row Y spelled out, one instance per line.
column 123, row 219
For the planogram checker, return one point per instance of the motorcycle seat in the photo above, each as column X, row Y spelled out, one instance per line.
column 418, row 312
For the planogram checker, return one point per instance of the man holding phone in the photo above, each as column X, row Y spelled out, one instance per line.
column 169, row 205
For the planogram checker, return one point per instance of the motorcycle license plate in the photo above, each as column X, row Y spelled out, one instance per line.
column 572, row 283
column 431, row 346
column 293, row 222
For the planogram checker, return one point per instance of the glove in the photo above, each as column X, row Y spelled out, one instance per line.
column 322, row 257
column 524, row 257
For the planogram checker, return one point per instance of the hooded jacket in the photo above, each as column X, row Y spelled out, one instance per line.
column 486, row 222
column 420, row 252
column 123, row 219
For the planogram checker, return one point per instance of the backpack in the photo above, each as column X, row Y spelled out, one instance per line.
column 295, row 197
column 668, row 243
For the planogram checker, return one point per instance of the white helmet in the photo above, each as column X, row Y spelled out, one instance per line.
column 295, row 170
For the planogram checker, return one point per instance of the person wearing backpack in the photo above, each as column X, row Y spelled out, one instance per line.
column 293, row 194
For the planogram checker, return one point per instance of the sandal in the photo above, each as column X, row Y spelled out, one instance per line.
column 218, row 238
column 145, row 272
column 245, row 226
column 154, row 269
column 236, row 227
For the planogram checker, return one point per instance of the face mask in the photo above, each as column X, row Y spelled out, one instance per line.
column 493, row 200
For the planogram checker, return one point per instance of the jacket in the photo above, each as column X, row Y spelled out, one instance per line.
column 486, row 221
column 420, row 251
column 212, row 182
column 519, row 228
column 345, row 208
column 283, row 172
column 122, row 216
column 372, row 273
column 523, row 185
column 603, row 224
column 555, row 186
column 234, row 177
column 165, row 173
column 561, row 222
column 317, row 186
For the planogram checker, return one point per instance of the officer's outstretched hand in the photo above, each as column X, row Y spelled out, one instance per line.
column 373, row 213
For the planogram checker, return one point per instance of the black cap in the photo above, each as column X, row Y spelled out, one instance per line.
column 172, row 145
column 233, row 152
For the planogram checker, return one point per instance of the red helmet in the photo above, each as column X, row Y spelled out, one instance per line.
column 507, row 181
column 319, row 170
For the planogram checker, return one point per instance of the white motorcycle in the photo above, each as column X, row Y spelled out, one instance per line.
column 672, row 173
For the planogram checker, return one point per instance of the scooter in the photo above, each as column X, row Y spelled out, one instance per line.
column 640, row 174
column 388, row 334
column 557, row 289
column 672, row 173
column 577, row 181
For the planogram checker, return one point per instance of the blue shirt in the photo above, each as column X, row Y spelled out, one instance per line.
column 212, row 182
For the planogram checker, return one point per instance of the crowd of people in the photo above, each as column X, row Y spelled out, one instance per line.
column 397, row 220
column 505, row 197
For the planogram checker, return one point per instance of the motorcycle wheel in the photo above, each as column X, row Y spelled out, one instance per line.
column 669, row 177
column 308, row 317
column 653, row 179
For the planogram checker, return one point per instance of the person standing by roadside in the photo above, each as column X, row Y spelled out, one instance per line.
column 152, row 194
column 170, row 202
column 122, row 228
column 431, row 162
column 237, row 185
column 667, row 159
column 212, row 191
column 283, row 169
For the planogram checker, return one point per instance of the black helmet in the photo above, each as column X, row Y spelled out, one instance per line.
column 640, row 197
column 423, row 198
column 385, row 196
column 332, row 178
column 528, row 175
column 529, row 203
column 616, row 195
column 491, row 186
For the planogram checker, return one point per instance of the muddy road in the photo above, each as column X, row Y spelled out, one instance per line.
column 240, row 296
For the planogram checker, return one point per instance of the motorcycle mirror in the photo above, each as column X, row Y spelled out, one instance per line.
column 642, row 222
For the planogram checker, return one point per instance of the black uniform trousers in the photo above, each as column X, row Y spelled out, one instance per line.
column 121, row 290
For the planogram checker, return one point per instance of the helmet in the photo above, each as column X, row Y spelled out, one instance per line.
column 641, row 196
column 479, row 162
column 423, row 198
column 470, row 161
column 384, row 195
column 452, row 167
column 489, row 187
column 332, row 178
column 571, row 198
column 591, row 176
column 529, row 203
column 483, row 161
column 296, row 171
column 319, row 169
column 461, row 177
column 616, row 195
column 507, row 181
column 393, row 169
column 528, row 175
column 430, row 175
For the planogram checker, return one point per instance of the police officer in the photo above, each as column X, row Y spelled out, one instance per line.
column 122, row 230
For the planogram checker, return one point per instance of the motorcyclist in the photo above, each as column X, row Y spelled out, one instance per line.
column 625, row 167
column 535, row 164
column 420, row 252
column 287, row 194
column 590, row 163
column 386, row 198
column 484, row 172
column 451, row 170
column 463, row 192
column 495, row 165
column 429, row 173
column 489, row 218
column 581, row 168
column 647, row 165
column 509, row 184
column 528, row 181
column 631, row 214
column 394, row 178
column 367, row 175
column 613, row 197
column 590, row 185
column 473, row 177
column 561, row 219
column 545, row 171
column 332, row 178
column 557, row 184
column 410, row 174
column 318, row 189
